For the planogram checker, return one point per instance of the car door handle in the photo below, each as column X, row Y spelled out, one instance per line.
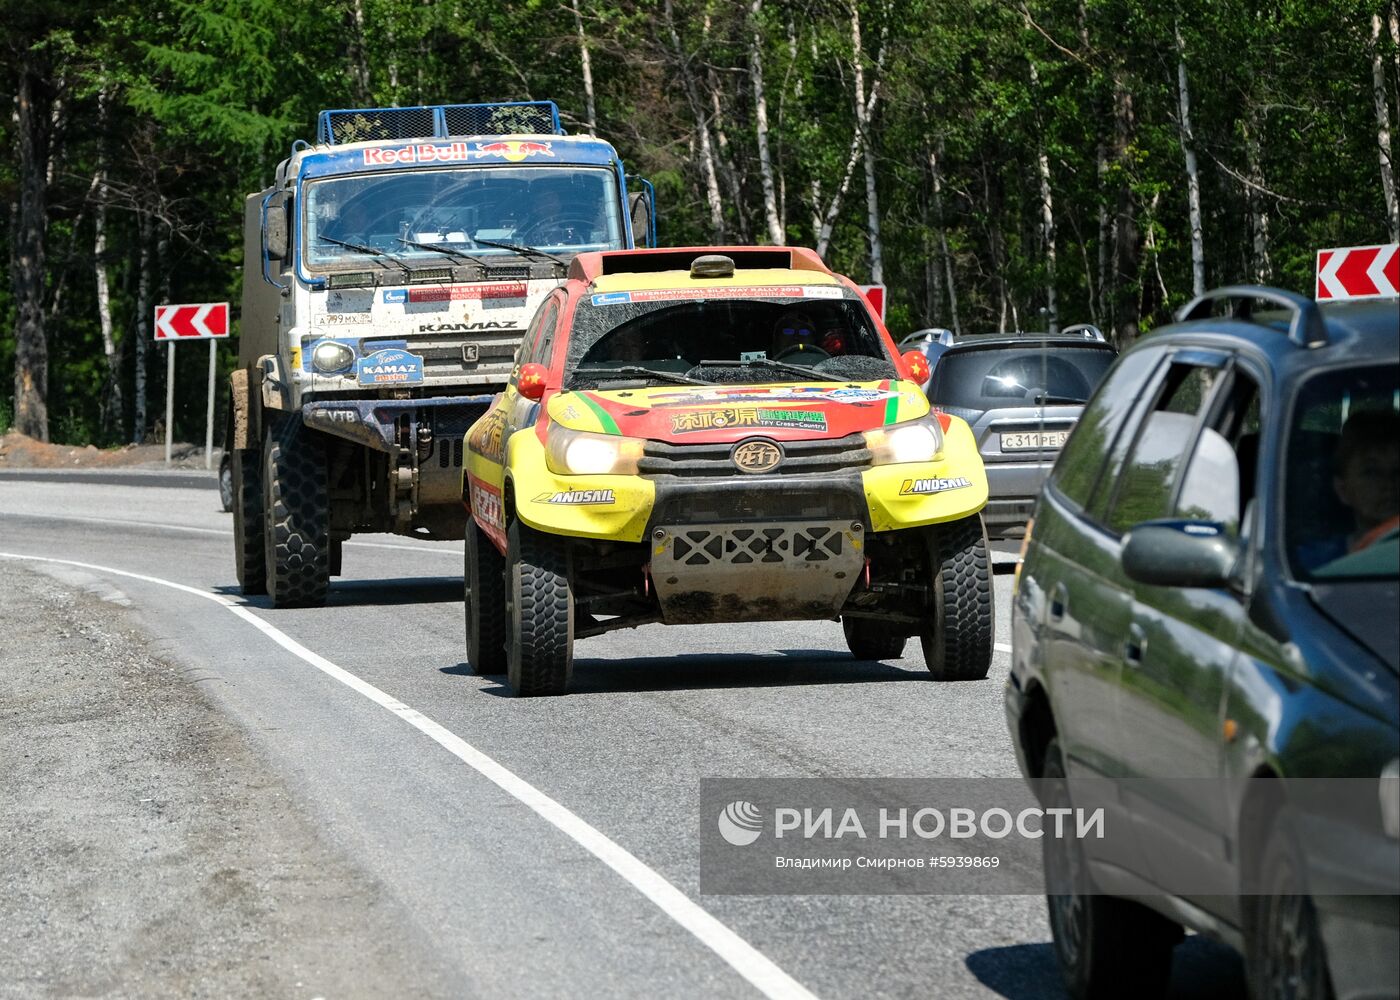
column 1059, row 597
column 1135, row 646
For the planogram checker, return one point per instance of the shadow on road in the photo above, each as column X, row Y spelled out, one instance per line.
column 377, row 593
column 1202, row 969
column 702, row 671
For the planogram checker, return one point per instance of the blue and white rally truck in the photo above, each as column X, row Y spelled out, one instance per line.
column 391, row 273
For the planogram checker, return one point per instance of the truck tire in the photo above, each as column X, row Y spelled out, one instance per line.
column 957, row 636
column 540, row 608
column 870, row 640
column 1107, row 947
column 249, row 558
column 296, row 516
column 484, row 587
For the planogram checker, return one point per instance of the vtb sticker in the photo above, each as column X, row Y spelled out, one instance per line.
column 932, row 485
column 577, row 497
column 391, row 367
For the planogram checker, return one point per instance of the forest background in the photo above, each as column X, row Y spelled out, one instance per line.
column 999, row 164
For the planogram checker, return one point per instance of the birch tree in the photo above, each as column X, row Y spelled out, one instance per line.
column 765, row 163
column 1392, row 210
column 586, row 67
column 1193, row 179
column 872, row 200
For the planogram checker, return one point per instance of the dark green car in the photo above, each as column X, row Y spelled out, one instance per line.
column 1206, row 629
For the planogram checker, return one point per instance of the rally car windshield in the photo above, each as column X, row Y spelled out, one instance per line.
column 1342, row 501
column 712, row 338
column 463, row 214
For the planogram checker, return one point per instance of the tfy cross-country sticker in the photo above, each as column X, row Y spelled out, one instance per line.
column 747, row 416
column 932, row 485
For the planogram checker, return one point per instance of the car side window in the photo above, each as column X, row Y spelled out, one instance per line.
column 1143, row 491
column 525, row 352
column 544, row 343
column 1082, row 460
column 1219, row 480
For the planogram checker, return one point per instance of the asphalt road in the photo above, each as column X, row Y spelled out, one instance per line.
column 556, row 854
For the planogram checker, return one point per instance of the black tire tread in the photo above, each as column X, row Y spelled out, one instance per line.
column 484, row 596
column 249, row 554
column 541, row 630
column 298, row 542
column 959, row 645
column 866, row 640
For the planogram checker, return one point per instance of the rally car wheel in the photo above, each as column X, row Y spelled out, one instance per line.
column 870, row 640
column 296, row 516
column 248, row 546
column 485, row 593
column 1284, row 953
column 1107, row 947
column 957, row 636
column 540, row 602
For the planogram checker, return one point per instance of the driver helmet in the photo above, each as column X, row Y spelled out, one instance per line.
column 793, row 330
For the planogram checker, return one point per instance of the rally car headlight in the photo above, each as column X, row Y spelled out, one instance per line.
column 329, row 357
column 912, row 441
column 579, row 453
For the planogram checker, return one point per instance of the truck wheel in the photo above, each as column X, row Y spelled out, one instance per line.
column 870, row 640
column 540, row 613
column 296, row 516
column 248, row 546
column 1107, row 947
column 957, row 637
column 484, row 578
column 1284, row 952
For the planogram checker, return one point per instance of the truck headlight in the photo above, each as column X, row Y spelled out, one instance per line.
column 329, row 357
column 580, row 453
column 912, row 441
column 1390, row 798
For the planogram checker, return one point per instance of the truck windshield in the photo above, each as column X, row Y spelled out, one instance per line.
column 564, row 210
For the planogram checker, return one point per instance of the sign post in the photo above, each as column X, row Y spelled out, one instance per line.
column 200, row 321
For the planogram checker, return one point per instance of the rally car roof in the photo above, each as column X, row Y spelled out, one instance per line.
column 590, row 267
column 757, row 277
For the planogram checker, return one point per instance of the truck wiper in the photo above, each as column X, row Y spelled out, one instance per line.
column 777, row 366
column 436, row 248
column 601, row 374
column 520, row 248
column 362, row 248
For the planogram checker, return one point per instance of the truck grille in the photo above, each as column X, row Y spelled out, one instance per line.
column 821, row 457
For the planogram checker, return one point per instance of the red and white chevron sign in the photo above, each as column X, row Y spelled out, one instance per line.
column 200, row 321
column 1358, row 272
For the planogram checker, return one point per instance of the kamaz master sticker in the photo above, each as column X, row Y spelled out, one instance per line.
column 932, row 485
column 389, row 367
column 747, row 416
column 577, row 497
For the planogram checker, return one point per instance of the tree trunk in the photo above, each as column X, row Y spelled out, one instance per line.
column 359, row 63
column 1392, row 210
column 933, row 160
column 1260, row 266
column 702, row 128
column 144, row 315
column 833, row 210
column 1105, row 231
column 765, row 163
column 1047, row 215
column 34, row 124
column 1125, row 303
column 1393, row 22
column 872, row 202
column 112, row 391
column 1193, row 179
column 587, row 68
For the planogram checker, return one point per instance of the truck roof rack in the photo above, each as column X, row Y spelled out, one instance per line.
column 438, row 121
column 1306, row 329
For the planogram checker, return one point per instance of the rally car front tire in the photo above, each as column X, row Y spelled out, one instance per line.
column 540, row 633
column 485, row 598
column 871, row 640
column 957, row 633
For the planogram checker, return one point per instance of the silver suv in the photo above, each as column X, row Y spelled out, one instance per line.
column 1021, row 394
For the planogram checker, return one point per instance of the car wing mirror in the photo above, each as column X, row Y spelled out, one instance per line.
column 1180, row 554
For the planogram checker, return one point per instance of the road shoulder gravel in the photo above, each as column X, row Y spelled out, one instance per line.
column 146, row 849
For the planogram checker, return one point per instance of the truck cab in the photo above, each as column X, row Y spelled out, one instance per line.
column 390, row 272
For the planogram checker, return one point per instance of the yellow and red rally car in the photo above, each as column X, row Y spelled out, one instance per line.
column 719, row 435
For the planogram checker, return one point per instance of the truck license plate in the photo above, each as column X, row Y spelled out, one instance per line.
column 1034, row 440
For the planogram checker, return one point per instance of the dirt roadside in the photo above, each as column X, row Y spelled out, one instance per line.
column 18, row 451
column 146, row 850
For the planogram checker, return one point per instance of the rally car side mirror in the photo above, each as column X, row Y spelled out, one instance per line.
column 917, row 365
column 530, row 382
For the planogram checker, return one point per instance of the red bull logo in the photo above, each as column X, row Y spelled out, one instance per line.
column 513, row 150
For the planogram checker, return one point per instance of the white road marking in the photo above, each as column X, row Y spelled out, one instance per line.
column 208, row 531
column 1001, row 647
column 760, row 971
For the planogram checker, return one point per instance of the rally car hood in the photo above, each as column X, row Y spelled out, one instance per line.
column 700, row 414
